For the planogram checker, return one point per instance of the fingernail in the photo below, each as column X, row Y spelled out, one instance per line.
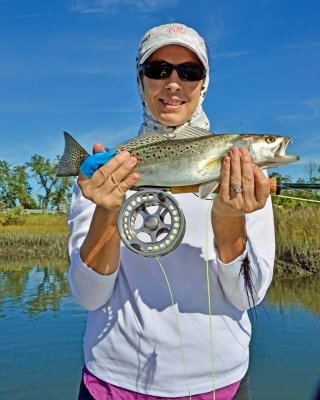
column 243, row 151
column 244, row 154
column 132, row 160
column 124, row 155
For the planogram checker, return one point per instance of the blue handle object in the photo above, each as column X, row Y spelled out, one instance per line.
column 97, row 160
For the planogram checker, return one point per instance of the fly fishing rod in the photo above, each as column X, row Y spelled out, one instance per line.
column 294, row 185
column 276, row 186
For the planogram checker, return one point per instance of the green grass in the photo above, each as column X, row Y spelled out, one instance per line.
column 37, row 223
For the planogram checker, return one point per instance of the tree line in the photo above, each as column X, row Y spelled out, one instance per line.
column 34, row 185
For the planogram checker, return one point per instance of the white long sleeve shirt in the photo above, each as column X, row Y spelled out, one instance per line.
column 134, row 333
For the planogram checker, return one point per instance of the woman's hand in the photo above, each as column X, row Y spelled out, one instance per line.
column 106, row 188
column 108, row 185
column 244, row 188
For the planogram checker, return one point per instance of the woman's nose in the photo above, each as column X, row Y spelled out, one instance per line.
column 173, row 82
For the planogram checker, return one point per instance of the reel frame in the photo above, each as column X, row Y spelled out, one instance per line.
column 158, row 236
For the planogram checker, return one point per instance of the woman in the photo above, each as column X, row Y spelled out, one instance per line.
column 138, row 344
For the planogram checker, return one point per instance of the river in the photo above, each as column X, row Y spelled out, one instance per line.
column 41, row 330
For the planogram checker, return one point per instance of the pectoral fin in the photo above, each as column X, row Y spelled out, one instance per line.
column 207, row 188
column 209, row 165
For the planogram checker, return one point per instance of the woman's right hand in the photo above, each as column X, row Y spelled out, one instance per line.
column 108, row 185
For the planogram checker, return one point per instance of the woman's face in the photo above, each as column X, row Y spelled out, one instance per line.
column 172, row 101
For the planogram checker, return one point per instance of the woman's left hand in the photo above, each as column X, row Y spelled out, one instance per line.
column 244, row 188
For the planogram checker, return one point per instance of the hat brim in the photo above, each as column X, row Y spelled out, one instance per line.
column 176, row 42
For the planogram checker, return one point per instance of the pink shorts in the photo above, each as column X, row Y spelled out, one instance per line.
column 103, row 390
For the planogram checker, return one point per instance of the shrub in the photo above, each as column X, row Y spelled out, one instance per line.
column 13, row 216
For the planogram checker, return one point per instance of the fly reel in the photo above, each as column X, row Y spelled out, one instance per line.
column 151, row 223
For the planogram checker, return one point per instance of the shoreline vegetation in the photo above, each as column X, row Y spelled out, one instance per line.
column 43, row 237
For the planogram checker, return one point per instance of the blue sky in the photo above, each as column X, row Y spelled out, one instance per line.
column 69, row 65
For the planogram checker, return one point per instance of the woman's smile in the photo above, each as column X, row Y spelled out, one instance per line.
column 172, row 104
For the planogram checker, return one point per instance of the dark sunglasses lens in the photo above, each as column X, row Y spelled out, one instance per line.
column 191, row 72
column 157, row 70
column 188, row 71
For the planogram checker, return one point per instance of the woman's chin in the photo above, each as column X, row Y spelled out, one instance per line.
column 171, row 121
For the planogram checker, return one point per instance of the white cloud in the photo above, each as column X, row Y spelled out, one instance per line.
column 301, row 46
column 113, row 110
column 312, row 112
column 107, row 135
column 113, row 6
column 230, row 54
column 34, row 15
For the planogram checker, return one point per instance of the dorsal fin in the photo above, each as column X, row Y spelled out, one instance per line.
column 191, row 132
column 143, row 139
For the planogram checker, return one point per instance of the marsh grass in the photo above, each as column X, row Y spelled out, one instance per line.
column 38, row 223
column 298, row 236
column 297, row 239
column 41, row 236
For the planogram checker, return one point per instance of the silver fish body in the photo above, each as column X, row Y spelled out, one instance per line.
column 192, row 157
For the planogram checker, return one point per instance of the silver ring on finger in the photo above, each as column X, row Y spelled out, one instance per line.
column 236, row 189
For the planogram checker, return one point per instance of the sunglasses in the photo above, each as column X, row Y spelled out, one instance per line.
column 188, row 71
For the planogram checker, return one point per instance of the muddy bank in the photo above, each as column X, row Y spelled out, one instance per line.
column 286, row 264
column 299, row 265
column 26, row 252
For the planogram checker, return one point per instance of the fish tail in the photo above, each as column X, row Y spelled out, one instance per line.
column 73, row 155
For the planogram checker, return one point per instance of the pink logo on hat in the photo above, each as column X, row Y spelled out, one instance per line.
column 176, row 30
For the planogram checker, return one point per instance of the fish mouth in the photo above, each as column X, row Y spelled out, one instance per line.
column 280, row 155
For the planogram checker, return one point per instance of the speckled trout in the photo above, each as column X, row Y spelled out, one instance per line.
column 190, row 156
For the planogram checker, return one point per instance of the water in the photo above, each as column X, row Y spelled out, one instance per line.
column 41, row 331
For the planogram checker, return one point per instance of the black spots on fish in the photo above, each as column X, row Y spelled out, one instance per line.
column 191, row 147
column 159, row 149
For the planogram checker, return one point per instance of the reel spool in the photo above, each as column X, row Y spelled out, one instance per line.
column 151, row 223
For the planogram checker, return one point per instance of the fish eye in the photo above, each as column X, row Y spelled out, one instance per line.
column 270, row 139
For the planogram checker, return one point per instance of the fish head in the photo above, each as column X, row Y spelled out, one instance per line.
column 269, row 150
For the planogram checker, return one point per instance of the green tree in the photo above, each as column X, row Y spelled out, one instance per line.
column 62, row 195
column 282, row 178
column 54, row 191
column 22, row 188
column 14, row 186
